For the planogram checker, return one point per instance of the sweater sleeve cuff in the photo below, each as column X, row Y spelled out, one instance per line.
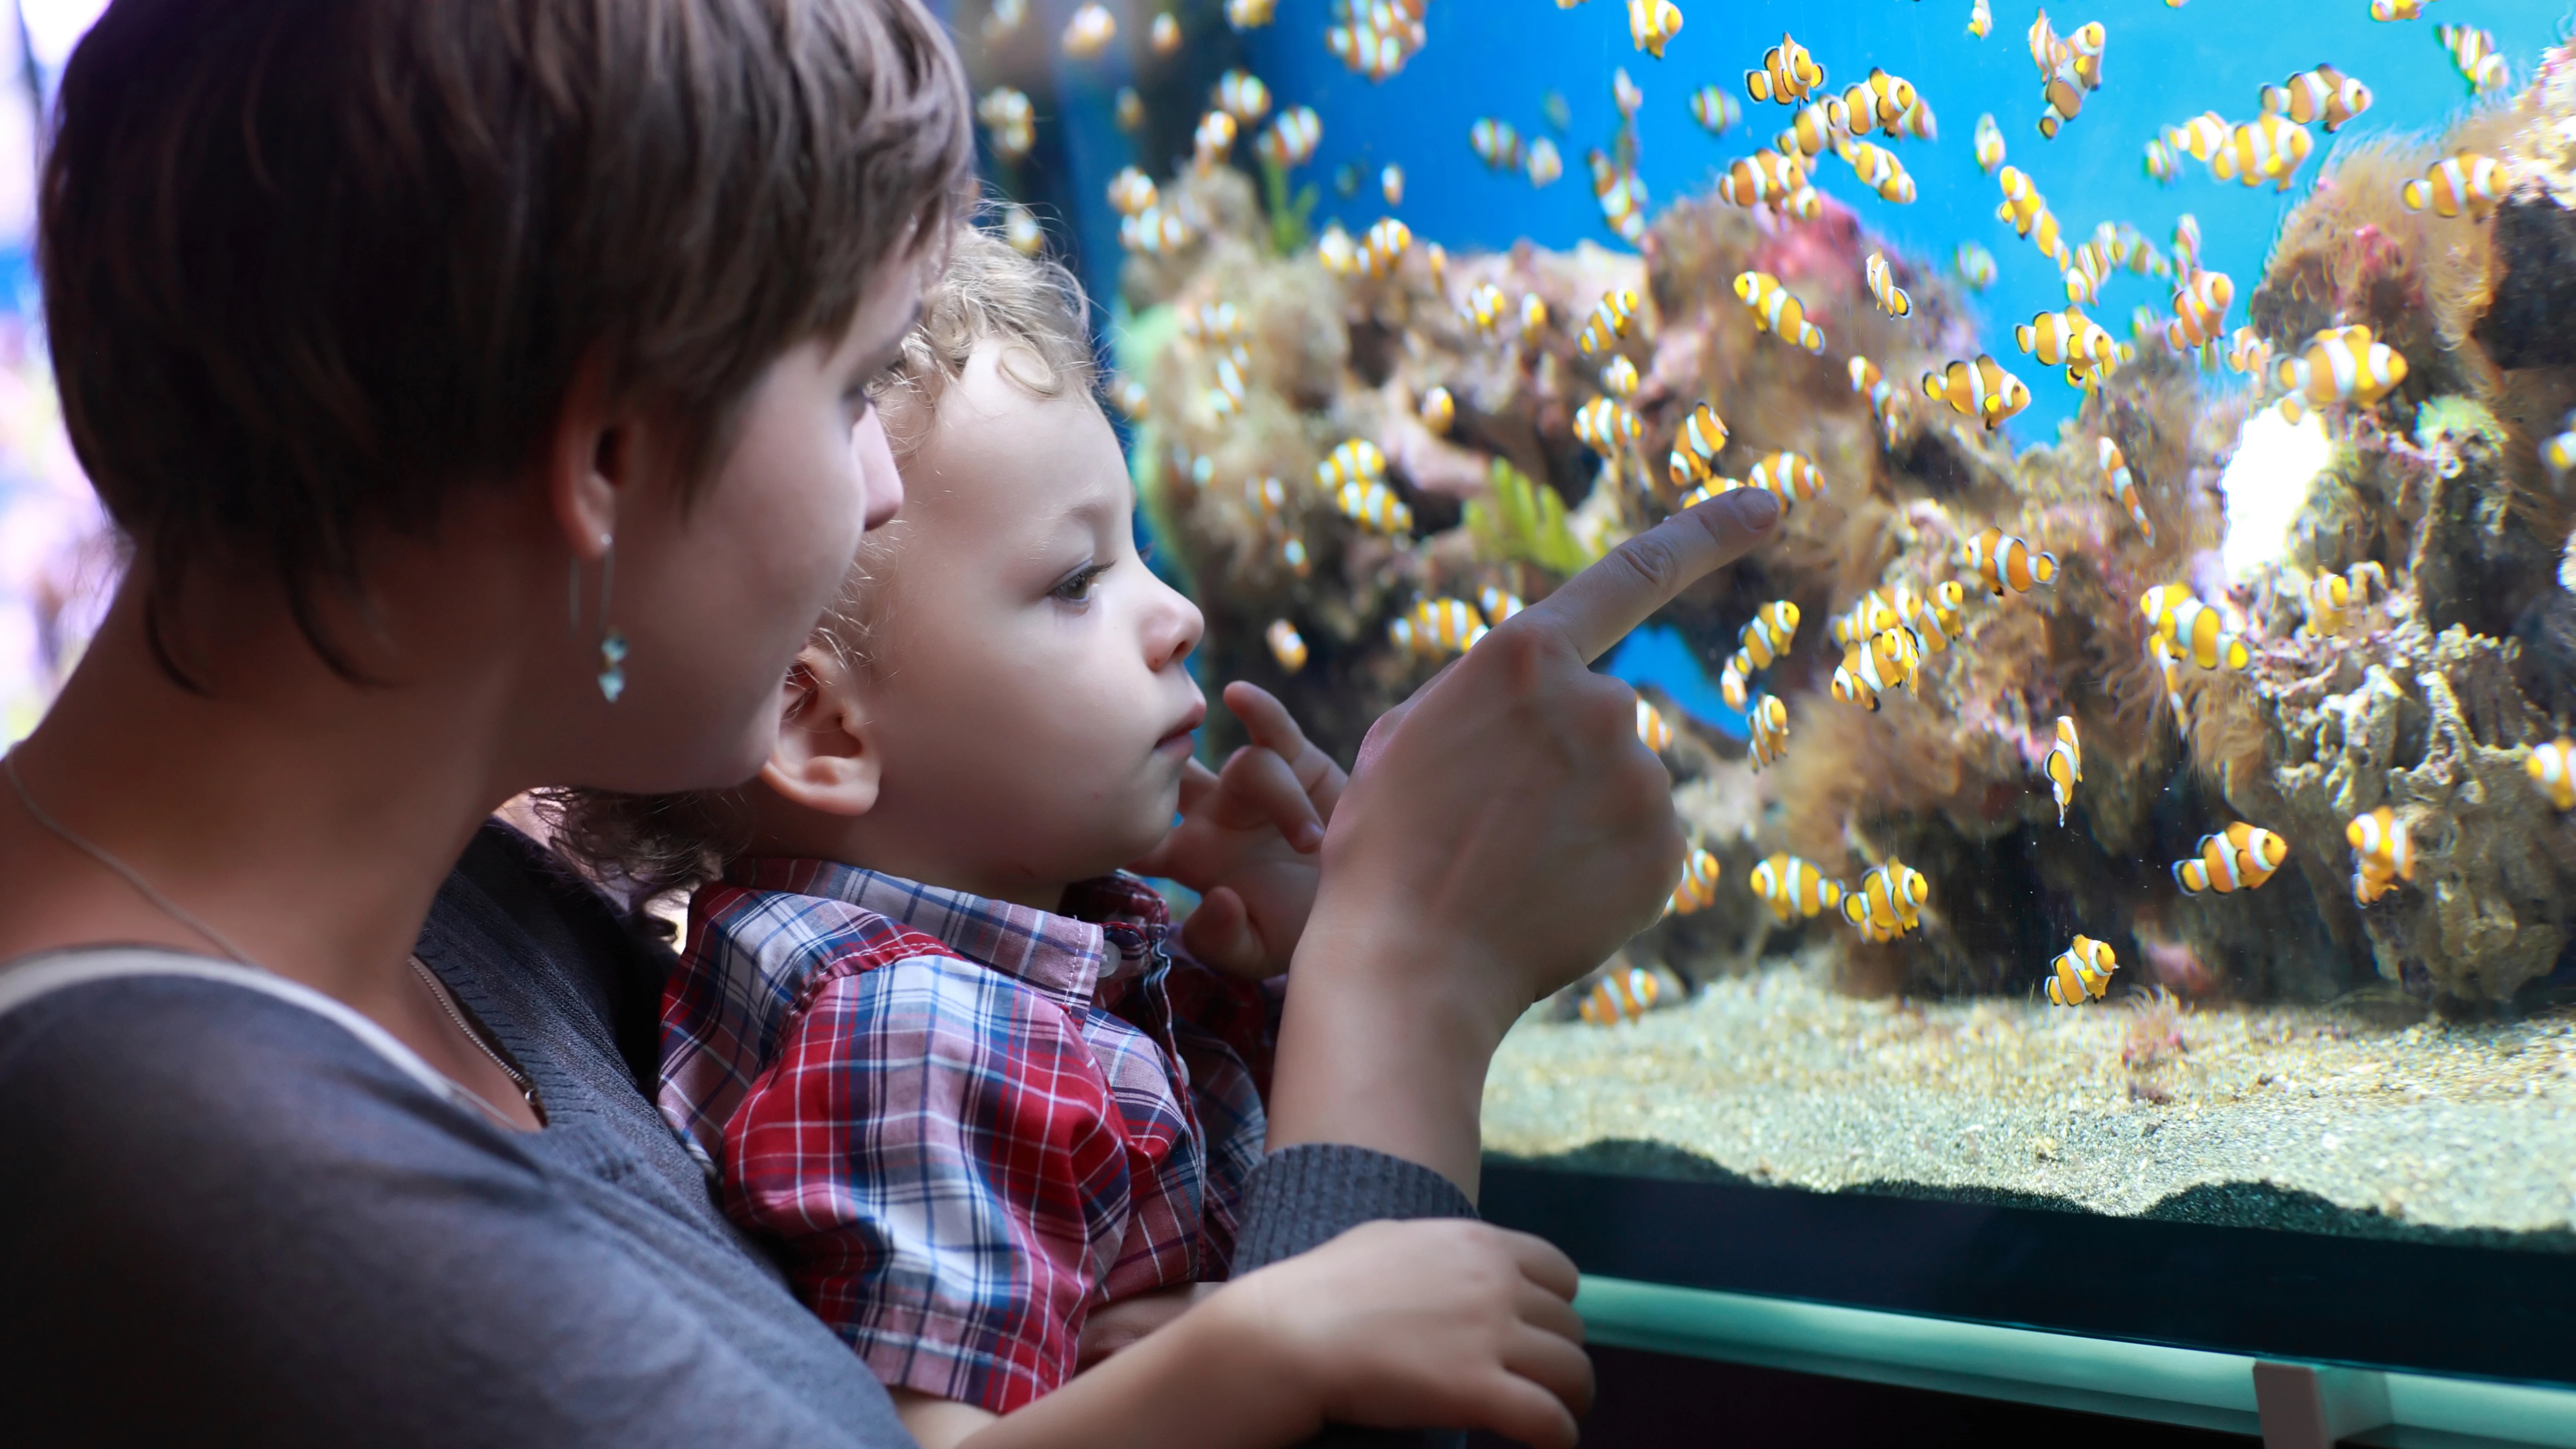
column 1304, row 1196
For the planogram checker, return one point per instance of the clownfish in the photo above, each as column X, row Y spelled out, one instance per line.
column 1239, row 93
column 1714, row 109
column 2463, row 182
column 1533, row 316
column 1695, row 449
column 1980, row 389
column 1767, row 730
column 1131, row 191
column 2007, row 563
column 1439, row 410
column 1879, row 99
column 1496, row 142
column 1890, row 297
column 1498, row 604
column 2161, row 166
column 1290, row 141
column 1936, row 619
column 1698, row 888
column 1352, row 460
column 1880, row 171
column 1621, row 996
column 2123, row 486
column 1793, row 888
column 1765, row 176
column 1769, row 635
column 2558, row 455
column 1652, row 728
column 1213, row 138
column 1981, row 19
column 1606, row 425
column 2474, row 52
column 2064, row 766
column 1484, row 307
column 2201, row 634
column 1789, row 477
column 1621, row 195
column 2396, row 9
column 1887, row 902
column 1817, row 125
column 1787, row 75
column 1619, row 378
column 1989, row 144
column 2200, row 309
column 1652, row 24
column 1613, row 317
column 2322, row 95
column 1976, row 266
column 1545, row 166
column 2242, row 857
column 2081, row 973
column 2340, row 365
column 2267, row 148
column 1438, row 627
column 1885, row 661
column 1779, row 311
column 2383, row 853
column 1285, row 645
column 1730, row 683
column 1372, row 505
column 1089, row 32
column 1867, row 381
column 2248, row 353
column 2328, row 596
column 2552, row 768
column 1386, row 243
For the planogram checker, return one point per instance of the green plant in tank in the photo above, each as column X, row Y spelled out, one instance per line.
column 1521, row 518
column 2461, row 425
column 1290, row 230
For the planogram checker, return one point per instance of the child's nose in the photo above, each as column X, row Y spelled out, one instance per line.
column 1174, row 629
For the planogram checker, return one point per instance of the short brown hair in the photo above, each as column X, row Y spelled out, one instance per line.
column 311, row 266
column 1035, row 309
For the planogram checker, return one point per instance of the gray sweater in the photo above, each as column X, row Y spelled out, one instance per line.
column 226, row 1218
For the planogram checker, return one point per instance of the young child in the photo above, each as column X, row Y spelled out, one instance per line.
column 941, row 1050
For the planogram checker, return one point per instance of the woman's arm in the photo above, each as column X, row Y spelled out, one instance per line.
column 1504, row 832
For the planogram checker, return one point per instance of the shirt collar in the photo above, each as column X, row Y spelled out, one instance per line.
column 1112, row 930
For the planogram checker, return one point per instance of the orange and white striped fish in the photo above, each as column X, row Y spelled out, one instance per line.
column 1619, row 378
column 1621, row 996
column 2552, row 768
column 1989, row 144
column 1607, row 426
column 2474, row 52
column 2329, row 597
column 1778, row 310
column 1890, row 297
column 2323, row 94
column 2123, row 486
column 1887, row 660
column 1788, row 74
column 2383, row 853
column 1613, row 317
column 2081, row 973
column 1936, row 619
column 2242, row 857
column 2200, row 137
column 1880, row 171
column 1373, row 506
column 1817, row 126
column 2248, row 353
column 2342, row 365
column 2464, row 182
column 2203, row 635
column 2064, row 765
column 1285, row 645
column 1773, row 629
column 1497, row 604
column 1440, row 627
column 1789, row 477
column 2200, row 309
column 1766, row 727
column 1695, row 449
column 1793, row 888
column 1888, row 901
column 1655, row 731
column 1652, row 24
column 1980, row 389
column 2267, row 148
column 2004, row 562
column 1439, row 410
column 1765, row 177
column 1869, row 382
column 1730, row 682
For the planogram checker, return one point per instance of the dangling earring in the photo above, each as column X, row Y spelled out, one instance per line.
column 612, row 642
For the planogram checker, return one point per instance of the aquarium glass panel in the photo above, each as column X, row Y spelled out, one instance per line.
column 2136, row 778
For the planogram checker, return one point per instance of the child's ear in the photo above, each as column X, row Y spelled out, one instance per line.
column 824, row 759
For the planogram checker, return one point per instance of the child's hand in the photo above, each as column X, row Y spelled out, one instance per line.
column 1247, row 840
column 1442, row 1322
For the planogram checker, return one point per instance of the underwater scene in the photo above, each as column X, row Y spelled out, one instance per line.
column 2137, row 777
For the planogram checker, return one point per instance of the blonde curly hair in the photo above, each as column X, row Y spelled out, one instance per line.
column 650, row 845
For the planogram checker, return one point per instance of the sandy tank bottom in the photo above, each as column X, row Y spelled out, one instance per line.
column 2420, row 1129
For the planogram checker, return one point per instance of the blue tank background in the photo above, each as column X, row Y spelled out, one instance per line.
column 2161, row 66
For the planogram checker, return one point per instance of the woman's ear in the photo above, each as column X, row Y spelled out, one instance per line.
column 589, row 461
column 825, row 759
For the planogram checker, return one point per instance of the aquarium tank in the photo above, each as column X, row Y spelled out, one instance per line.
column 2130, row 797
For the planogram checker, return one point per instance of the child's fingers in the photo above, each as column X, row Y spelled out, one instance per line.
column 1197, row 783
column 1544, row 1263
column 1526, row 1411
column 1273, row 728
column 1259, row 787
column 1219, row 933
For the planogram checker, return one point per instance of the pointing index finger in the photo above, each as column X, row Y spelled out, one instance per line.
column 1597, row 607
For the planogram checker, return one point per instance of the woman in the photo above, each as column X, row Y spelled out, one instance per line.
column 471, row 382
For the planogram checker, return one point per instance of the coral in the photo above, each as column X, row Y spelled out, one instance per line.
column 2534, row 239
column 1519, row 520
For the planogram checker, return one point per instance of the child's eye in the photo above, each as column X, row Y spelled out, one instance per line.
column 1076, row 588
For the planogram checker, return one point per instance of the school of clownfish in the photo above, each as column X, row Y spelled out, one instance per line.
column 1885, row 634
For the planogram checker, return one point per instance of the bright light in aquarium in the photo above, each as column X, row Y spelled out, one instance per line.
column 2266, row 484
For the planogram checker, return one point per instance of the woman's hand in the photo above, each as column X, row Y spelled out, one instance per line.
column 1247, row 841
column 1504, row 833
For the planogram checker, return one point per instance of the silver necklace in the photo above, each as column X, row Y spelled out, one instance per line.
column 240, row 957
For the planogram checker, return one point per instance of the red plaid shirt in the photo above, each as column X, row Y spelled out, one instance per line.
column 966, row 1122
